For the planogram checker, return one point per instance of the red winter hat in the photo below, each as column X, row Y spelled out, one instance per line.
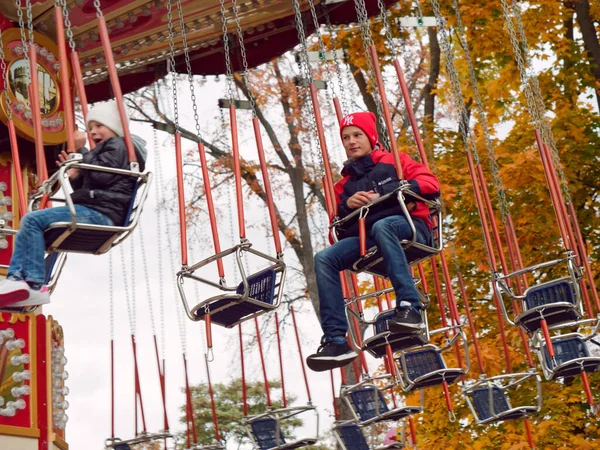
column 366, row 121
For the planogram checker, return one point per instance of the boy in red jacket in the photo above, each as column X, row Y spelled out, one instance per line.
column 368, row 174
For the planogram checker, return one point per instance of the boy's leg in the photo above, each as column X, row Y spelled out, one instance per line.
column 387, row 233
column 334, row 351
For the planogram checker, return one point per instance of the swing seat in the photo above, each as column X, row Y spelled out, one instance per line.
column 571, row 356
column 351, row 437
column 371, row 410
column 376, row 344
column 229, row 310
column 553, row 301
column 501, row 410
column 268, row 436
column 427, row 368
column 373, row 263
column 97, row 239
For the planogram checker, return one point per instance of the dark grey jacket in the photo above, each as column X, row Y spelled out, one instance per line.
column 105, row 192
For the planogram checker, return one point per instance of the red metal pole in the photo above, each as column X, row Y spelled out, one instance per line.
column 244, row 388
column 181, row 198
column 116, row 86
column 237, row 170
column 211, row 208
column 262, row 360
column 267, row 183
column 386, row 110
column 284, row 399
column 301, row 357
column 65, row 84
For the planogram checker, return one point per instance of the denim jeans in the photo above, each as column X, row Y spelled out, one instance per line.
column 27, row 262
column 386, row 234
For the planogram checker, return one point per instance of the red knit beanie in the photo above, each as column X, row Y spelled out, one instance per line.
column 366, row 121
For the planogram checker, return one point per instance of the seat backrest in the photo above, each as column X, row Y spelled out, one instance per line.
column 481, row 401
column 265, row 433
column 548, row 293
column 353, row 437
column 261, row 286
column 423, row 362
column 566, row 350
column 368, row 403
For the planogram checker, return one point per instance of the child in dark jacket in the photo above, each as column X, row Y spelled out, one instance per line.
column 368, row 174
column 100, row 198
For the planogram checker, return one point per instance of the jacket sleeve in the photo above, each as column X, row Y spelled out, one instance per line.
column 113, row 154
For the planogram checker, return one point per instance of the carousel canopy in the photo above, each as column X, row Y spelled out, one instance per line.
column 139, row 32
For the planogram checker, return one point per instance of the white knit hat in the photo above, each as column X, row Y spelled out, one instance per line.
column 107, row 114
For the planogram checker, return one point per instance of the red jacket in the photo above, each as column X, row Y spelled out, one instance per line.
column 377, row 172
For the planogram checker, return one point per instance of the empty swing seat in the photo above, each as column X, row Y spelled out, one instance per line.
column 228, row 311
column 268, row 436
column 372, row 409
column 499, row 409
column 553, row 301
column 571, row 356
column 376, row 344
column 351, row 437
column 427, row 368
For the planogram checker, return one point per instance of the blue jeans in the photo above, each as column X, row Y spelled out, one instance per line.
column 27, row 262
column 386, row 233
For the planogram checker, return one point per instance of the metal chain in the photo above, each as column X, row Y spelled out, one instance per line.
column 454, row 82
column 246, row 72
column 229, row 70
column 188, row 66
column 172, row 65
column 5, row 78
column 367, row 40
column 495, row 170
column 546, row 130
column 98, row 8
column 68, row 25
column 24, row 42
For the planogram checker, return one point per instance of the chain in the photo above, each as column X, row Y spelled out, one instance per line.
column 159, row 244
column 98, row 8
column 546, row 128
column 24, row 41
column 172, row 64
column 5, row 78
column 454, row 82
column 111, row 296
column 367, row 40
column 188, row 66
column 229, row 70
column 245, row 73
column 502, row 201
column 68, row 25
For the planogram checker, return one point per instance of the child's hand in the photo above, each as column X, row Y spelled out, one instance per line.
column 80, row 139
column 360, row 199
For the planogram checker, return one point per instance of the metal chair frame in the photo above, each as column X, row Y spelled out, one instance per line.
column 280, row 415
column 141, row 438
column 551, row 373
column 547, row 311
column 389, row 415
column 342, row 443
column 409, row 384
column 120, row 232
column 400, row 193
column 512, row 380
column 276, row 264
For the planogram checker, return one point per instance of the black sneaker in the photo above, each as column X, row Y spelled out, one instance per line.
column 408, row 319
column 330, row 356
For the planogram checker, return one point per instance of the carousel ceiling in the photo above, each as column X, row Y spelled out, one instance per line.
column 139, row 33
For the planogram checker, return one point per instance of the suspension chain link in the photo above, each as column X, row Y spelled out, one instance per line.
column 229, row 70
column 172, row 64
column 5, row 78
column 495, row 170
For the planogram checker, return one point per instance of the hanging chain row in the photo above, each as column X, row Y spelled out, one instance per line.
column 367, row 40
column 495, row 170
column 172, row 64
